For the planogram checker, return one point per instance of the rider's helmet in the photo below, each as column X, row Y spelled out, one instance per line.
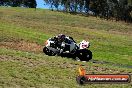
column 61, row 37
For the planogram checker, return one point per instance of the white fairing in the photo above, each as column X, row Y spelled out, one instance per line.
column 84, row 44
column 48, row 42
column 72, row 44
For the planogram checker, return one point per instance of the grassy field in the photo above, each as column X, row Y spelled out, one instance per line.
column 22, row 36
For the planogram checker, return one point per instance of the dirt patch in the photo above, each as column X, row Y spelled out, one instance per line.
column 23, row 46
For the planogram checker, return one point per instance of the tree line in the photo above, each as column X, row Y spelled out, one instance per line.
column 108, row 9
column 19, row 3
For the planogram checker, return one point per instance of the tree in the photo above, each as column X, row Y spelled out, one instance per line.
column 118, row 9
column 87, row 3
column 1, row 2
column 19, row 3
column 30, row 3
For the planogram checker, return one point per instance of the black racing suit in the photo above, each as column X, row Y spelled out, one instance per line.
column 62, row 45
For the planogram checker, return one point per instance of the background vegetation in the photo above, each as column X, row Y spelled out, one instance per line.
column 107, row 9
column 19, row 3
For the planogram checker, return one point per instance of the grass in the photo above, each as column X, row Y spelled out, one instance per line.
column 110, row 41
column 37, row 70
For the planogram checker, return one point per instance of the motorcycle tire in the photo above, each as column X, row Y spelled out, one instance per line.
column 84, row 55
column 48, row 52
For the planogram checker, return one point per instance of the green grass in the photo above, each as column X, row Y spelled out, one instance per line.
column 19, row 33
column 110, row 41
column 26, row 69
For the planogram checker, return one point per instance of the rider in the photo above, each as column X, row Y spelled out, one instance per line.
column 59, row 39
column 62, row 42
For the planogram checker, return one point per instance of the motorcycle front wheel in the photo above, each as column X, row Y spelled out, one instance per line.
column 48, row 52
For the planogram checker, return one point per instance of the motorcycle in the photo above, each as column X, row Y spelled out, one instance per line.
column 71, row 49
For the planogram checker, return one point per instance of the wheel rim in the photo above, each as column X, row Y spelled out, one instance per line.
column 88, row 56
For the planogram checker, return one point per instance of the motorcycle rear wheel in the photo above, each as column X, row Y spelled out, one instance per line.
column 84, row 55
